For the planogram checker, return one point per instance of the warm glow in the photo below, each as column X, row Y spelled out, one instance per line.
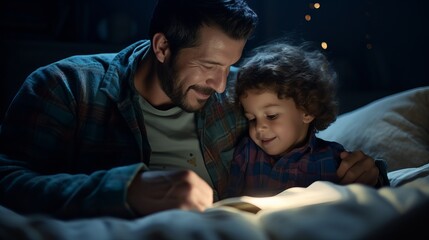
column 317, row 193
column 308, row 17
column 369, row 46
column 324, row 45
column 316, row 5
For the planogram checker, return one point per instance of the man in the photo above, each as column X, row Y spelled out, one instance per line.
column 140, row 131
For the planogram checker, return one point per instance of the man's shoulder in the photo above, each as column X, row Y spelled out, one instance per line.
column 120, row 54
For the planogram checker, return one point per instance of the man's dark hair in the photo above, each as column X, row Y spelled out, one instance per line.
column 180, row 20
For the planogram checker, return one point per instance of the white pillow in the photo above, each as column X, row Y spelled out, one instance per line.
column 394, row 128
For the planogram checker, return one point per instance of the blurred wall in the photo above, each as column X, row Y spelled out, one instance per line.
column 377, row 46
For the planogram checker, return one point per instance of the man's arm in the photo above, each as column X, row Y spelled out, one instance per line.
column 55, row 156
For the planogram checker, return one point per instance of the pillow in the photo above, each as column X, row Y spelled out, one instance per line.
column 394, row 128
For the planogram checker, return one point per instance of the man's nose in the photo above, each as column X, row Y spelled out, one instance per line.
column 218, row 81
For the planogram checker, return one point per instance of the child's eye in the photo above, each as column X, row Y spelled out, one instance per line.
column 272, row 116
column 251, row 119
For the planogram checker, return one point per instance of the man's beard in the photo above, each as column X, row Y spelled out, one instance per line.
column 167, row 75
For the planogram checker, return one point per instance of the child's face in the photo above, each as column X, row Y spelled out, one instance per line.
column 276, row 125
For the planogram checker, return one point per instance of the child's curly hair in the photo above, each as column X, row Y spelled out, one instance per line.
column 295, row 72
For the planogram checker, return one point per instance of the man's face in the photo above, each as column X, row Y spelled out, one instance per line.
column 196, row 73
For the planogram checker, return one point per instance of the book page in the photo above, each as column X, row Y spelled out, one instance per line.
column 317, row 193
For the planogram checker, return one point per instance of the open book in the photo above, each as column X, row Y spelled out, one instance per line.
column 317, row 193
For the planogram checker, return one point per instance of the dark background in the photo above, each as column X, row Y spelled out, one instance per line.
column 378, row 47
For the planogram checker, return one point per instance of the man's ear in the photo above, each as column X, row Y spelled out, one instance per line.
column 307, row 118
column 160, row 46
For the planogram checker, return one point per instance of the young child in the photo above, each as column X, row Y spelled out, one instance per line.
column 287, row 95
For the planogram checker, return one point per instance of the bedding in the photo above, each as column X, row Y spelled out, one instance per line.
column 395, row 128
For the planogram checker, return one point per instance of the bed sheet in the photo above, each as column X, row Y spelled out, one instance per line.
column 361, row 213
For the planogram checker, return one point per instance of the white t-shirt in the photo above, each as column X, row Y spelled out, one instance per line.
column 173, row 140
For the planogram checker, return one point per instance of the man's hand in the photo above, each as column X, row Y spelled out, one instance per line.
column 153, row 191
column 356, row 167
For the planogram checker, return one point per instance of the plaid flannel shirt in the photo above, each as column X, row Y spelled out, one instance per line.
column 255, row 173
column 73, row 137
